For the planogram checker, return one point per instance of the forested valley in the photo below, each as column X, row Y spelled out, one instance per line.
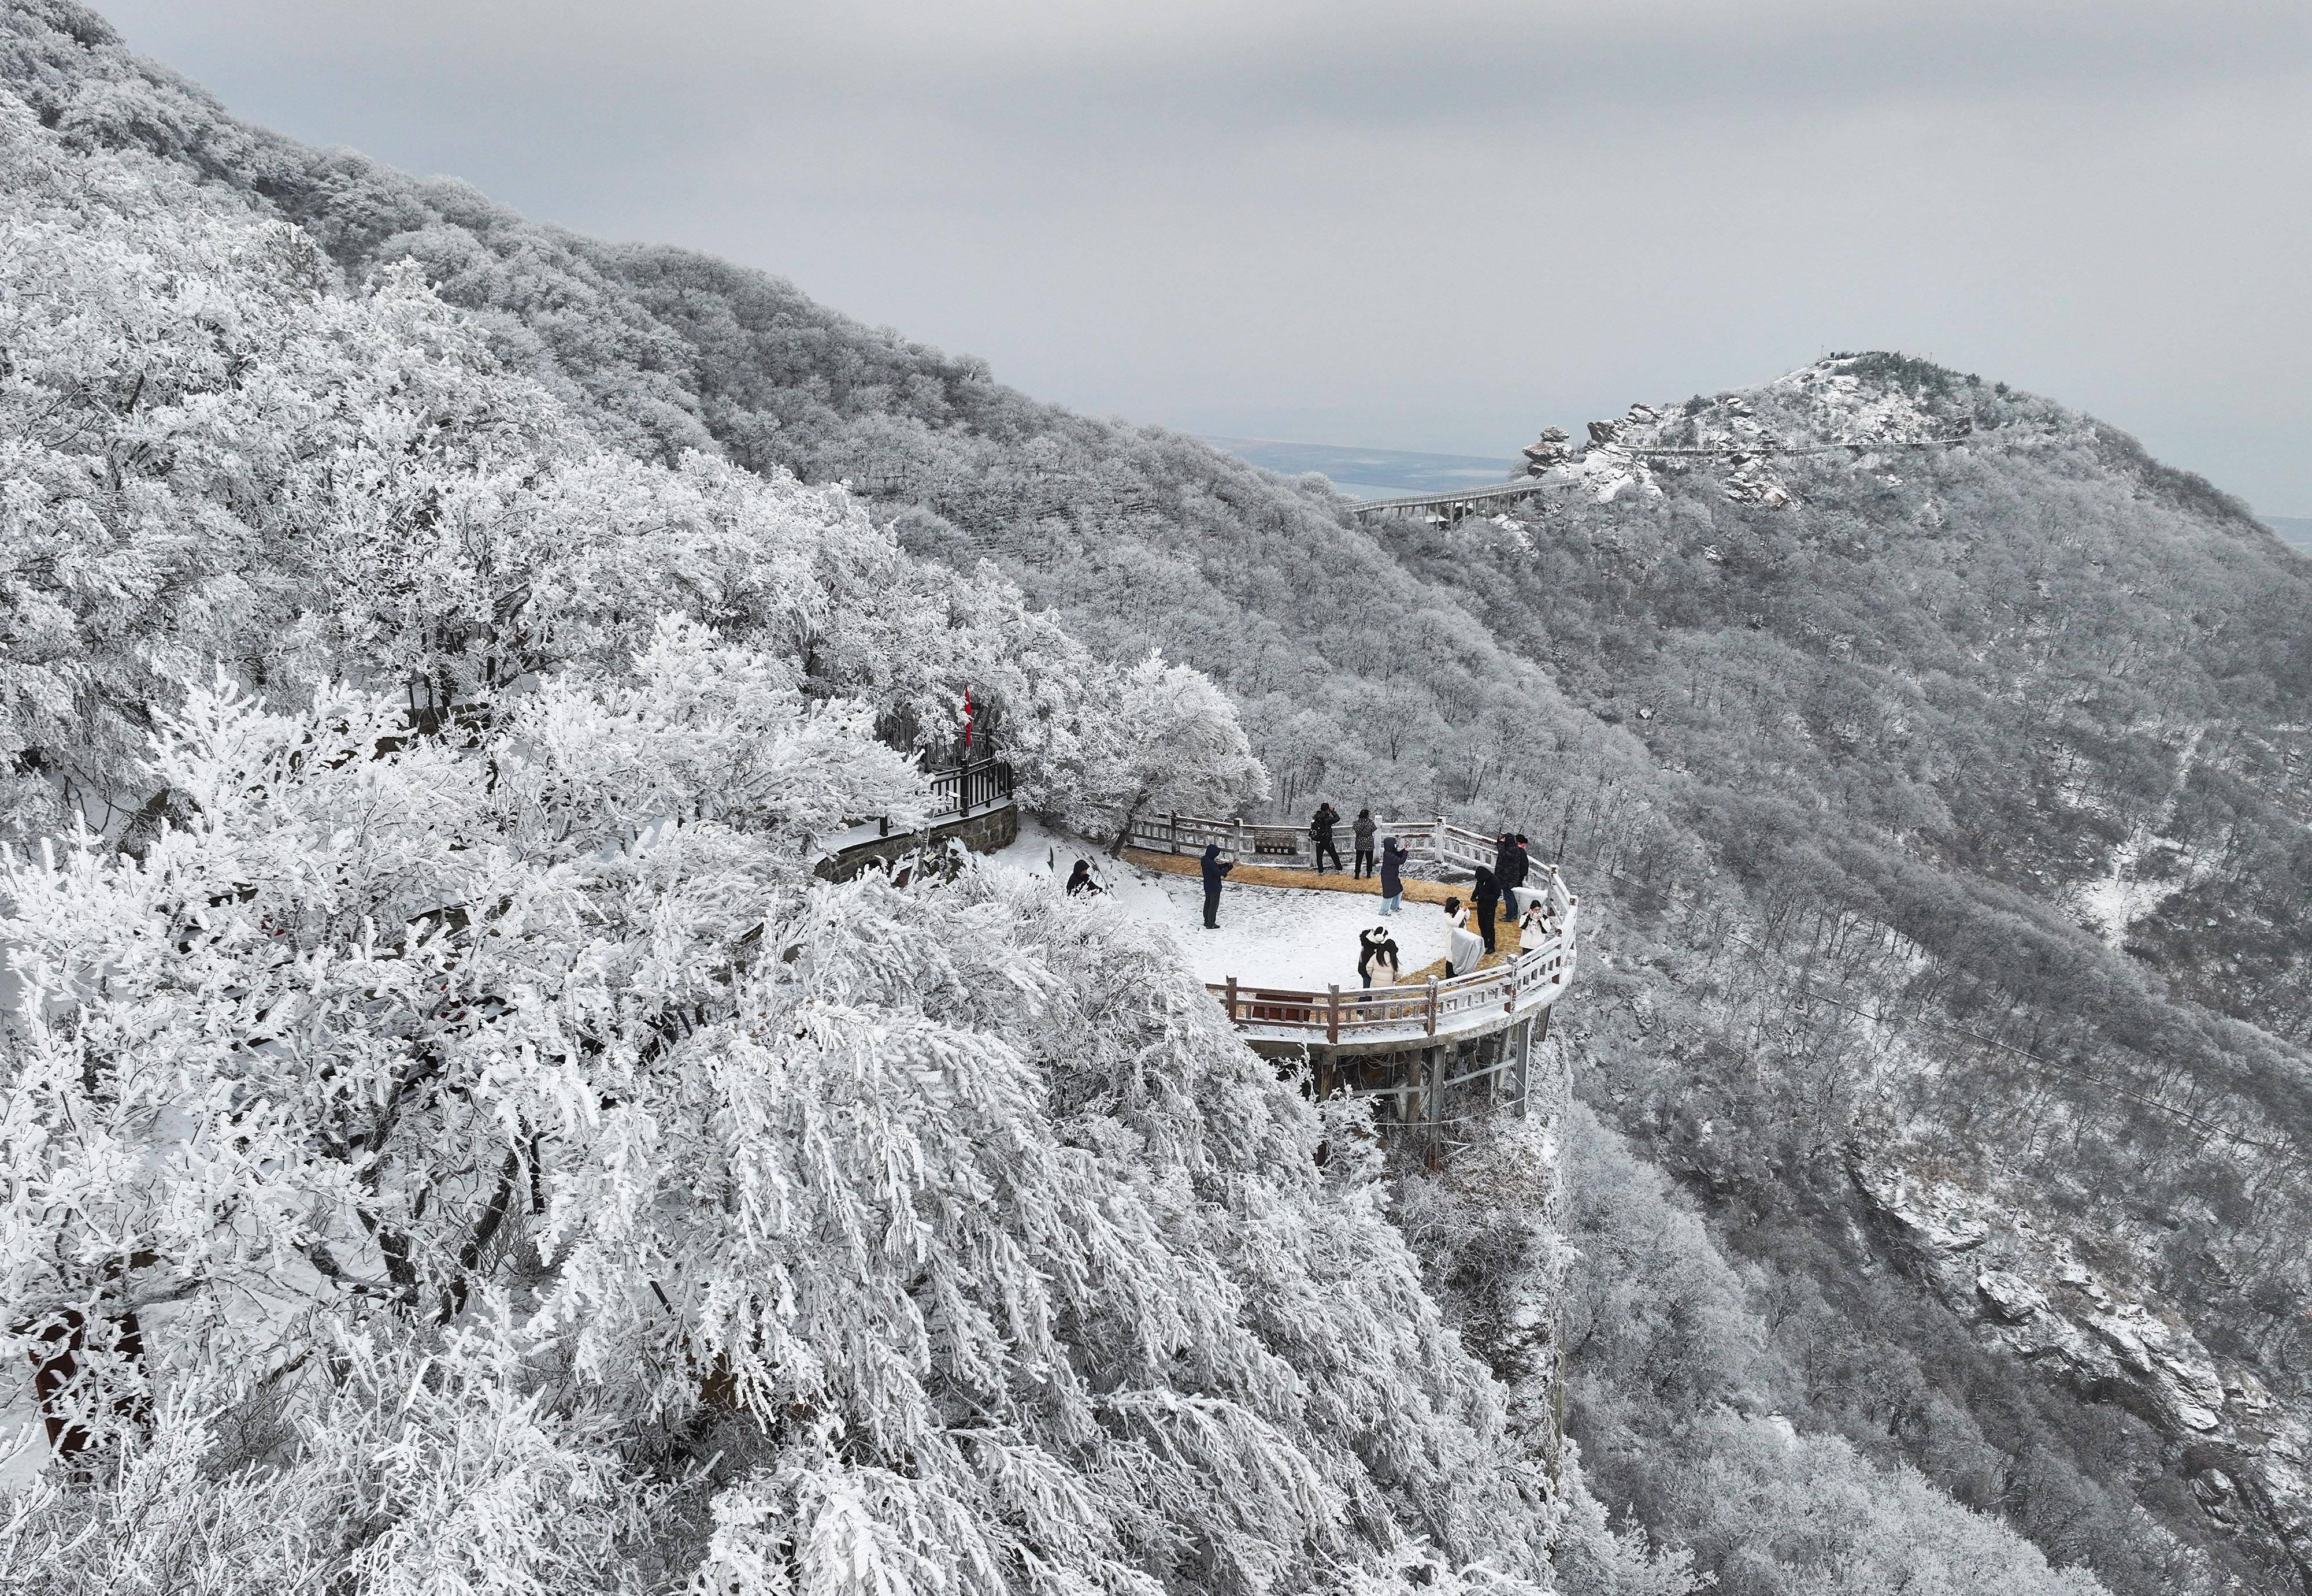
column 1936, row 1214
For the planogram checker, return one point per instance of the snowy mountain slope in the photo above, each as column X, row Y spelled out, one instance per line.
column 452, row 1140
column 1938, row 701
column 1832, row 768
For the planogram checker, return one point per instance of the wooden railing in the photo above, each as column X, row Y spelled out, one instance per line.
column 981, row 785
column 957, row 795
column 1536, row 975
column 1462, row 1002
column 1435, row 841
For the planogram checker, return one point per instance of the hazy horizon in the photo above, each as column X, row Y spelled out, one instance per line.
column 1443, row 233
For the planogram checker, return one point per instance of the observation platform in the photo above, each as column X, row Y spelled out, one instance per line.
column 1282, row 964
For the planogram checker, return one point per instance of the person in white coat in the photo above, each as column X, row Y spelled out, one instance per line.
column 1465, row 948
column 1377, row 957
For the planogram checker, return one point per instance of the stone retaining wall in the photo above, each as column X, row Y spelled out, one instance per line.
column 983, row 833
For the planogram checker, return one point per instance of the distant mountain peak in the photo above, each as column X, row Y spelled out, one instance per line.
column 1868, row 397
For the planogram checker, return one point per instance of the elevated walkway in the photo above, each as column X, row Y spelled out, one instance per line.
column 1451, row 506
column 1434, row 1051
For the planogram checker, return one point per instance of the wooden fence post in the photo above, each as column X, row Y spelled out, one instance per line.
column 1176, row 830
column 1332, row 1015
column 1231, row 999
column 1432, row 1005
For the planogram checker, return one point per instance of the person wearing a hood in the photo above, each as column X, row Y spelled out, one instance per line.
column 1392, row 876
column 1377, row 957
column 1489, row 899
column 1081, row 880
column 1363, row 832
column 1464, row 949
column 1213, row 871
column 1505, row 873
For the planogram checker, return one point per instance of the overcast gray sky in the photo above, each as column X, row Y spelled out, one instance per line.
column 1438, row 225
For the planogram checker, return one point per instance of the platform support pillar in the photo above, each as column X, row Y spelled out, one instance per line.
column 1524, row 1063
column 1433, row 1103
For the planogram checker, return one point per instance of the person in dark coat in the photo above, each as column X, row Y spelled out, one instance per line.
column 1489, row 899
column 1513, row 889
column 1392, row 876
column 1504, row 868
column 1080, row 880
column 1320, row 832
column 1213, row 871
column 1363, row 830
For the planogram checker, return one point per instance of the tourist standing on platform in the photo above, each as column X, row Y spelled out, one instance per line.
column 1377, row 957
column 1489, row 899
column 1320, row 832
column 1463, row 949
column 1213, row 871
column 1505, row 872
column 1363, row 830
column 1392, row 876
column 1513, row 883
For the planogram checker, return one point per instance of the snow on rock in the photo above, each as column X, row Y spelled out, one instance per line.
column 2011, row 1296
column 1277, row 936
column 1608, row 472
column 1751, row 483
column 1938, row 1219
column 2028, row 1291
column 1850, row 401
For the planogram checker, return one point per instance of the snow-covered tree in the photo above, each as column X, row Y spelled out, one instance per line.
column 954, row 1222
column 1176, row 743
column 458, row 1144
column 212, row 455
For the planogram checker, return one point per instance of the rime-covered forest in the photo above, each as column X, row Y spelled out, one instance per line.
column 467, row 1151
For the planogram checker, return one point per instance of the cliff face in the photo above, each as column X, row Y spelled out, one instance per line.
column 2022, row 1286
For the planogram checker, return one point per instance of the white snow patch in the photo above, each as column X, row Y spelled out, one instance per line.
column 2111, row 903
column 1268, row 936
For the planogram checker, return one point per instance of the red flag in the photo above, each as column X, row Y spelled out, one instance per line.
column 966, row 725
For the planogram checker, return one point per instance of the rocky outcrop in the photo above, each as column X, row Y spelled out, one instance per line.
column 1750, row 483
column 1553, row 447
column 2249, row 1456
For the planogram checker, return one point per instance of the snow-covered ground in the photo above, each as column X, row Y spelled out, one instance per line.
column 2113, row 902
column 1270, row 936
